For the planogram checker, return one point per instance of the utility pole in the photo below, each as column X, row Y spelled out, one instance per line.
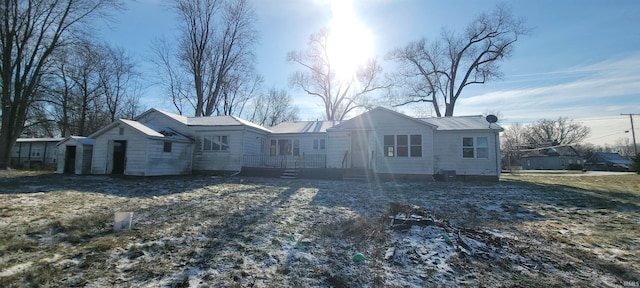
column 633, row 133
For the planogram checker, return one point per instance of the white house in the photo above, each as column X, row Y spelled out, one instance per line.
column 380, row 142
column 74, row 155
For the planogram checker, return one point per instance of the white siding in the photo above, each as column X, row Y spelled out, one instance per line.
column 230, row 160
column 176, row 162
column 136, row 153
column 337, row 143
column 448, row 154
column 83, row 157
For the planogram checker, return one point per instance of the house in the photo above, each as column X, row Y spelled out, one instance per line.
column 561, row 157
column 74, row 155
column 379, row 143
column 603, row 161
column 35, row 153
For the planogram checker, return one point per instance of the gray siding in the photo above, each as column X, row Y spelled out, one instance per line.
column 337, row 143
column 230, row 160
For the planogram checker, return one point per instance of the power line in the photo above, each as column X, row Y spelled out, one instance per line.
column 633, row 133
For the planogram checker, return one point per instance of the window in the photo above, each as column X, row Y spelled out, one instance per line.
column 416, row 145
column 285, row 147
column 167, row 147
column 215, row 143
column 121, row 131
column 402, row 145
column 477, row 147
column 35, row 152
column 389, row 145
column 319, row 144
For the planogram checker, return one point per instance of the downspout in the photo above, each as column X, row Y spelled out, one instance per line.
column 497, row 144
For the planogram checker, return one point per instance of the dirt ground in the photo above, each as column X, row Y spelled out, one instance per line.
column 203, row 231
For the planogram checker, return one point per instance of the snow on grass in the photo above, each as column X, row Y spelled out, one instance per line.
column 204, row 231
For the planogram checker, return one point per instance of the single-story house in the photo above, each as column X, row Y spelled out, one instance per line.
column 74, row 155
column 35, row 153
column 603, row 161
column 561, row 157
column 380, row 142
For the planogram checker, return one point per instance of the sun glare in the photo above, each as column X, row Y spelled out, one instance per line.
column 349, row 43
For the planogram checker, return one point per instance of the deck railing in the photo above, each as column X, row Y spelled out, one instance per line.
column 284, row 161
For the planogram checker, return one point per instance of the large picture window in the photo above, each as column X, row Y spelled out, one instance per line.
column 402, row 145
column 215, row 143
column 475, row 147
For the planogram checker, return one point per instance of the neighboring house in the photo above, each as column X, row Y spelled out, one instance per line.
column 560, row 157
column 603, row 161
column 74, row 155
column 35, row 153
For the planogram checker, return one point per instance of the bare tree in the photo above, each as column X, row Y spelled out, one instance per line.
column 218, row 36
column 273, row 108
column 118, row 80
column 318, row 78
column 547, row 132
column 437, row 72
column 513, row 139
column 30, row 31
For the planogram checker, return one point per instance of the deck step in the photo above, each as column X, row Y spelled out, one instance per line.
column 290, row 174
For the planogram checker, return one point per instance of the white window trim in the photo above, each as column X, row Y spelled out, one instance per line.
column 408, row 146
column 475, row 147
column 212, row 137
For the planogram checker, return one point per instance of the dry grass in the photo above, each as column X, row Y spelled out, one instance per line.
column 199, row 231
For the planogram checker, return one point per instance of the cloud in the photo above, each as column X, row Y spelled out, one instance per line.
column 595, row 89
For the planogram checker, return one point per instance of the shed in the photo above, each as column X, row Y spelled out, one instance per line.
column 603, row 161
column 133, row 148
column 74, row 155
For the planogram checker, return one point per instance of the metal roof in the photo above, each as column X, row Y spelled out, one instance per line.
column 224, row 120
column 461, row 123
column 39, row 140
column 303, row 127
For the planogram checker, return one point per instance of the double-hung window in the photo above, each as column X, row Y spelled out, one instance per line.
column 475, row 147
column 402, row 145
column 215, row 143
column 319, row 144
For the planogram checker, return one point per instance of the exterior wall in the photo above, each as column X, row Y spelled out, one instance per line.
column 136, row 153
column 230, row 160
column 312, row 157
column 448, row 154
column 176, row 162
column 337, row 143
column 385, row 124
column 34, row 154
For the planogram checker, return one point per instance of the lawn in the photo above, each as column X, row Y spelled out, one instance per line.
column 192, row 231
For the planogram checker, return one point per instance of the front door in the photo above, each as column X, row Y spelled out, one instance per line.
column 359, row 150
column 119, row 156
column 70, row 160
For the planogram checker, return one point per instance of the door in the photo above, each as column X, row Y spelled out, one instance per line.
column 359, row 150
column 70, row 160
column 119, row 156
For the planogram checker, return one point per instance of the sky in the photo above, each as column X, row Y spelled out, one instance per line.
column 581, row 59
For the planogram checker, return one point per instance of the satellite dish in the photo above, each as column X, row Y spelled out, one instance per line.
column 491, row 119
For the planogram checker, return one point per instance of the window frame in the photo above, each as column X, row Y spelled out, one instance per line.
column 216, row 143
column 478, row 149
column 167, row 146
column 284, row 147
column 402, row 145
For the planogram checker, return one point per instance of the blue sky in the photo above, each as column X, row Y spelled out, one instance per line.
column 582, row 59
